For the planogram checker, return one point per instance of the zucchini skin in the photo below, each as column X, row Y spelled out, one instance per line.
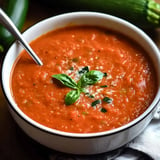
column 17, row 11
column 143, row 13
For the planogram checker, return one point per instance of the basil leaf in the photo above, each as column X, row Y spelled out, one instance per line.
column 90, row 78
column 72, row 97
column 103, row 110
column 98, row 101
column 66, row 80
column 107, row 99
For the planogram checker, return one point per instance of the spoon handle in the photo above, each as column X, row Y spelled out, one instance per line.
column 7, row 23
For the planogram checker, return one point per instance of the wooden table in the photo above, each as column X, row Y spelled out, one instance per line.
column 14, row 144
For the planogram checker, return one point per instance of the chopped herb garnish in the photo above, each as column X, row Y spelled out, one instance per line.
column 98, row 101
column 84, row 113
column 104, row 86
column 107, row 99
column 89, row 95
column 75, row 59
column 105, row 74
column 71, row 68
column 103, row 110
column 84, row 70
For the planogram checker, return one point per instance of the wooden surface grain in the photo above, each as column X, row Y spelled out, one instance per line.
column 14, row 144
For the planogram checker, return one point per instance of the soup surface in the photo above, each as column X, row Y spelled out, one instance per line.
column 124, row 92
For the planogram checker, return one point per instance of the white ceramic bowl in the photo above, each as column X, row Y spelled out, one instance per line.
column 91, row 143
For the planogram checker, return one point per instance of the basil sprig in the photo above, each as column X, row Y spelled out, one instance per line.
column 88, row 78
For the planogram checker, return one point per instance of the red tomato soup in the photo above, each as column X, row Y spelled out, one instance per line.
column 124, row 92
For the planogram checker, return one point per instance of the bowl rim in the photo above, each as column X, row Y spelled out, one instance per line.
column 41, row 127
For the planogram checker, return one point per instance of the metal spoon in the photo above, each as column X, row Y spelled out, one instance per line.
column 7, row 23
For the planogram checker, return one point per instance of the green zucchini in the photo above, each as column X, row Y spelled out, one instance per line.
column 143, row 13
column 16, row 10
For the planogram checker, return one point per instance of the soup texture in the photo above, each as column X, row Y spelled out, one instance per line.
column 92, row 80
